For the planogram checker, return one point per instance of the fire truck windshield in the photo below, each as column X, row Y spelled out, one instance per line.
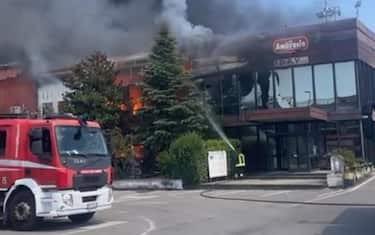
column 81, row 141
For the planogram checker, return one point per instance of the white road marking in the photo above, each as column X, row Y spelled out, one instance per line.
column 343, row 192
column 94, row 227
column 151, row 225
column 362, row 184
column 339, row 192
column 330, row 193
column 275, row 193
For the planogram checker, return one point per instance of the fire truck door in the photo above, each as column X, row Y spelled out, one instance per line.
column 8, row 174
column 40, row 150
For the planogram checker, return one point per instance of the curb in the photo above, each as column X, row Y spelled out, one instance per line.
column 148, row 184
column 262, row 187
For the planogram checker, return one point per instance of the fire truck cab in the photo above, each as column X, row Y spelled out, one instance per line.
column 52, row 167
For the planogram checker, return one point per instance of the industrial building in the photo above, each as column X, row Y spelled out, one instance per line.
column 295, row 95
column 291, row 96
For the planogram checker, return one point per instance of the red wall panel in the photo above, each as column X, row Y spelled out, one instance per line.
column 17, row 91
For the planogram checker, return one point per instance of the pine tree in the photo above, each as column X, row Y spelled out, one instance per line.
column 95, row 94
column 93, row 91
column 172, row 103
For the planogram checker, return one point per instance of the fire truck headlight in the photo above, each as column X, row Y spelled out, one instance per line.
column 67, row 199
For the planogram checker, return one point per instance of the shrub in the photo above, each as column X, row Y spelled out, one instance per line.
column 221, row 145
column 349, row 158
column 126, row 168
column 186, row 160
column 166, row 163
column 119, row 145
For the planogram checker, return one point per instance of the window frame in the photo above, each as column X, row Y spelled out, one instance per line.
column 4, row 152
column 356, row 103
column 43, row 128
column 292, row 83
column 312, row 80
column 315, row 80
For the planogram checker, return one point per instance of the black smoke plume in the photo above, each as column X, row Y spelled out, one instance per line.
column 47, row 34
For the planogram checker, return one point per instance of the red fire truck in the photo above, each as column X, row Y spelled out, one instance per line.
column 52, row 167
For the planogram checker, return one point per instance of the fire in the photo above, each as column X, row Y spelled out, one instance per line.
column 136, row 107
column 135, row 98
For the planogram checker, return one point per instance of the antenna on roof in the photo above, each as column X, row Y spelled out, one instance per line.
column 357, row 7
column 329, row 12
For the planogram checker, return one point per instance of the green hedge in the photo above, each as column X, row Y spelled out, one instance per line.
column 186, row 159
column 221, row 145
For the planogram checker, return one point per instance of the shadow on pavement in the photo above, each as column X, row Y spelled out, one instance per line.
column 56, row 225
column 353, row 221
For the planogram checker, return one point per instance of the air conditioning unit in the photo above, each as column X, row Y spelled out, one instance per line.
column 15, row 110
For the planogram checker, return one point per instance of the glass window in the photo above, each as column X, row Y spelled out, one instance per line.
column 73, row 141
column 247, row 87
column 42, row 143
column 304, row 86
column 324, row 86
column 284, row 88
column 231, row 94
column 212, row 93
column 345, row 83
column 3, row 137
column 265, row 89
column 47, row 108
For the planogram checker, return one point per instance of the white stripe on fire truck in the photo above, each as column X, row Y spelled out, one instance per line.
column 27, row 164
column 17, row 141
column 9, row 169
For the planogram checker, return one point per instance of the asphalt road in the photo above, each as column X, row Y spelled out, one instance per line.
column 187, row 212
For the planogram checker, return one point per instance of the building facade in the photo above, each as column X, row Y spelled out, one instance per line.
column 17, row 90
column 300, row 94
column 51, row 96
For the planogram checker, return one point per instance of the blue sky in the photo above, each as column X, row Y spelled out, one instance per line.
column 367, row 11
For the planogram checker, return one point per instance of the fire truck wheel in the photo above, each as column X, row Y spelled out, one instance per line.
column 82, row 218
column 21, row 211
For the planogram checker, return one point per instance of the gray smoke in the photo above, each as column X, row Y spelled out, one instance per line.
column 174, row 13
column 52, row 33
column 47, row 34
column 251, row 16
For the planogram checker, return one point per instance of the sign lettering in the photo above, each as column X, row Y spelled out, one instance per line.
column 290, row 45
column 291, row 61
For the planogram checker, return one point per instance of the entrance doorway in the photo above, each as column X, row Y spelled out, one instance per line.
column 295, row 151
column 290, row 152
column 292, row 146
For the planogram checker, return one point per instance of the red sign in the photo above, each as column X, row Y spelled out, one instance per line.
column 290, row 45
